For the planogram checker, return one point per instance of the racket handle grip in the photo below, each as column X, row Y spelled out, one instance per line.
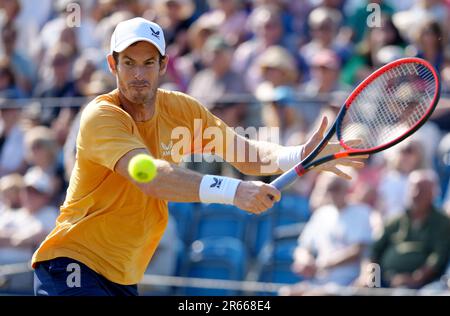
column 285, row 179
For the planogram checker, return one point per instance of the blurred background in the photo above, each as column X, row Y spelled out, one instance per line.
column 274, row 63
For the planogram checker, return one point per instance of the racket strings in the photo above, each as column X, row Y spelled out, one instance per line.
column 389, row 106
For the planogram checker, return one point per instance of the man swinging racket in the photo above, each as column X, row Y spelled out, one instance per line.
column 110, row 225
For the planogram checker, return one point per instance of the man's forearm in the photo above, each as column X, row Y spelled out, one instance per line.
column 174, row 183
column 344, row 256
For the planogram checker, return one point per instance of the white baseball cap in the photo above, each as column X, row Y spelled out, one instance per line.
column 134, row 30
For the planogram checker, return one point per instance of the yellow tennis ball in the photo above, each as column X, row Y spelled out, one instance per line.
column 142, row 168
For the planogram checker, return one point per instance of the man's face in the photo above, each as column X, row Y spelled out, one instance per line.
column 420, row 195
column 138, row 71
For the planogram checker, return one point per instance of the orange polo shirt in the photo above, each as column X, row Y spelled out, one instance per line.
column 106, row 222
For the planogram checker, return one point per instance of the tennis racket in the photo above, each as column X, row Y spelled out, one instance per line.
column 387, row 107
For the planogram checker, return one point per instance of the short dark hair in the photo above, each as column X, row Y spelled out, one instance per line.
column 115, row 55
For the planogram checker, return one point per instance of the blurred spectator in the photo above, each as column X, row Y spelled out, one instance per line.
column 175, row 17
column 42, row 153
column 24, row 70
column 324, row 26
column 22, row 230
column 407, row 21
column 333, row 242
column 182, row 69
column 356, row 24
column 325, row 71
column 12, row 148
column 8, row 86
column 430, row 42
column 10, row 187
column 50, row 33
column 27, row 16
column 414, row 248
column 217, row 79
column 57, row 79
column 229, row 19
column 83, row 69
column 402, row 159
column 279, row 75
column 363, row 62
column 266, row 25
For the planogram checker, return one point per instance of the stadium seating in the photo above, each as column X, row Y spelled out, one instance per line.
column 215, row 258
column 220, row 220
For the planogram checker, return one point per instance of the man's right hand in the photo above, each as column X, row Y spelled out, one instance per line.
column 255, row 196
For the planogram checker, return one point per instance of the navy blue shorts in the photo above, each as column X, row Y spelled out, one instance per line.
column 68, row 277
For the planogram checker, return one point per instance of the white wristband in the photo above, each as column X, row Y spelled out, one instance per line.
column 289, row 156
column 217, row 189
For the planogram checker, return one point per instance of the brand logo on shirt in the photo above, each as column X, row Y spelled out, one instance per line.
column 217, row 183
column 166, row 149
column 155, row 33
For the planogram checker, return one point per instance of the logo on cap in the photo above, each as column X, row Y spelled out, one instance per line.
column 155, row 33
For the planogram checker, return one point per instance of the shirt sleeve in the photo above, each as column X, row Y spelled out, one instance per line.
column 212, row 135
column 106, row 135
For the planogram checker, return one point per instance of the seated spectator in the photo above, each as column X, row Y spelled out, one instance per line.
column 429, row 43
column 356, row 24
column 267, row 27
column 22, row 230
column 22, row 67
column 12, row 147
column 333, row 242
column 363, row 61
column 10, row 188
column 9, row 87
column 279, row 76
column 175, row 17
column 217, row 79
column 414, row 248
column 324, row 26
column 42, row 153
column 57, row 79
column 324, row 80
column 229, row 18
column 401, row 161
column 182, row 69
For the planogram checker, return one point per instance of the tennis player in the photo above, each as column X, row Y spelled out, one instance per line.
column 110, row 225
